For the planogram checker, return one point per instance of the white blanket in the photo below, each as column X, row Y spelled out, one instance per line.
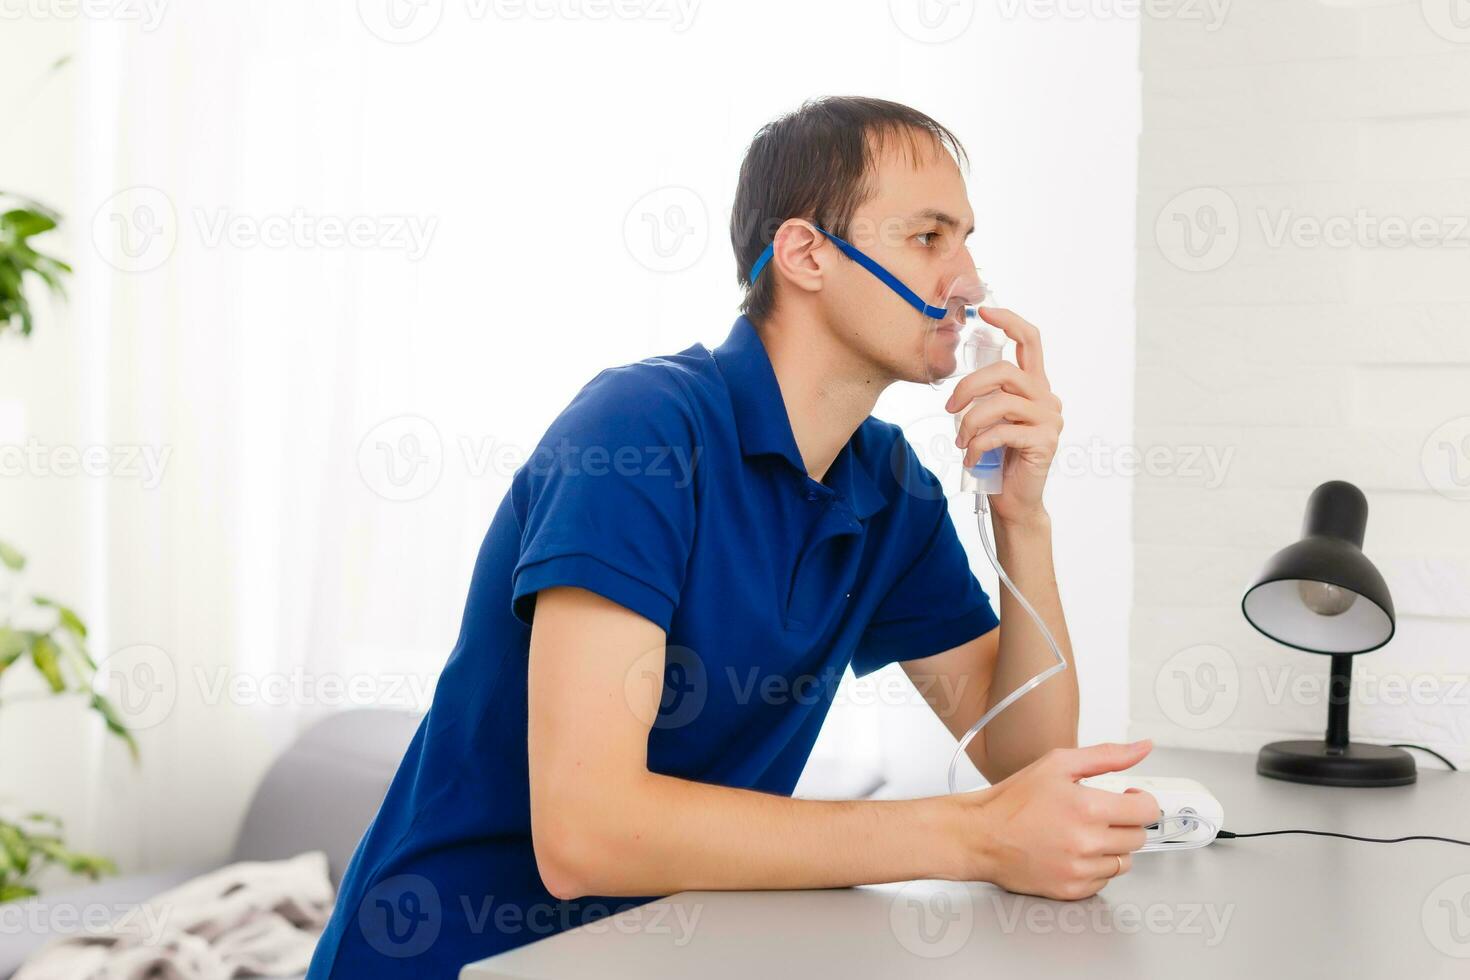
column 255, row 918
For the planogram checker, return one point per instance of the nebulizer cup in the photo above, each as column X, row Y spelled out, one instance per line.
column 957, row 346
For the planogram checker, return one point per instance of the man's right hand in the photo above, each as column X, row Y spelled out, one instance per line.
column 1040, row 832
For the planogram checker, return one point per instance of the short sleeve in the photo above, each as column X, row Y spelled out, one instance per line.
column 606, row 502
column 936, row 603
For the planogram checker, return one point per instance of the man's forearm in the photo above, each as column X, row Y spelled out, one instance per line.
column 603, row 824
column 665, row 835
column 1047, row 717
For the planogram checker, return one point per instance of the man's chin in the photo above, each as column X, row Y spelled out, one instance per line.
column 936, row 367
column 940, row 355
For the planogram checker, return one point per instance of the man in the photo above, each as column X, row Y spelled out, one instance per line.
column 702, row 541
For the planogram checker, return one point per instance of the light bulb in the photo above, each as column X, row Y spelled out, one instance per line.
column 1325, row 599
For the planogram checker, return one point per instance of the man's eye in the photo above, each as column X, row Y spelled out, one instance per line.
column 928, row 239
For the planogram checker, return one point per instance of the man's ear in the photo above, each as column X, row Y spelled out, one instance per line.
column 800, row 252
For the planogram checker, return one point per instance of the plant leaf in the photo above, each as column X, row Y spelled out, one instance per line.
column 13, row 643
column 26, row 849
column 44, row 654
column 22, row 223
column 16, row 846
column 86, row 666
column 11, row 558
column 12, row 891
column 114, row 723
column 18, row 260
column 77, row 862
column 68, row 618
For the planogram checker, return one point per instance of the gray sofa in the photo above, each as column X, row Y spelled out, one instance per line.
column 319, row 795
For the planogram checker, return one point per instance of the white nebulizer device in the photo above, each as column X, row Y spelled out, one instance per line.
column 1189, row 816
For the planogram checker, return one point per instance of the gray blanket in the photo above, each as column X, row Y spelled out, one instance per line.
column 252, row 919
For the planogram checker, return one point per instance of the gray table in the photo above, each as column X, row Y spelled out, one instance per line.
column 1292, row 906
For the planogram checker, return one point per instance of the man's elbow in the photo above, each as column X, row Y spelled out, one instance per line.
column 565, row 854
column 577, row 845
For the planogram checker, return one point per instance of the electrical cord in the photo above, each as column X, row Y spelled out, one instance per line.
column 1228, row 835
column 1425, row 748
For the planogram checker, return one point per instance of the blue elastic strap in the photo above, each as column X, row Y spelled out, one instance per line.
column 887, row 278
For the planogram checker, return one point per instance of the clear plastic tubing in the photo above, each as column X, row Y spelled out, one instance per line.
column 984, row 346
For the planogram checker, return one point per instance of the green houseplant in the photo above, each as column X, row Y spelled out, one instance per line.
column 40, row 632
column 20, row 221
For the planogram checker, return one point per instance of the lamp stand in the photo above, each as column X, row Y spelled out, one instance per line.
column 1335, row 760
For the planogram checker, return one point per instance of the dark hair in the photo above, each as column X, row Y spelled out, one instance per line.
column 814, row 163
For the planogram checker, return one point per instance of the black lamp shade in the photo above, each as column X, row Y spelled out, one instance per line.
column 1322, row 594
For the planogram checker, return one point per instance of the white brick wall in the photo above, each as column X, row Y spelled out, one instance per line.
column 1288, row 358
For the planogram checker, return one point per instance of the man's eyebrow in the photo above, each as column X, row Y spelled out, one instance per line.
column 933, row 214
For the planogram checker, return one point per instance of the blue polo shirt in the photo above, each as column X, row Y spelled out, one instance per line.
column 672, row 486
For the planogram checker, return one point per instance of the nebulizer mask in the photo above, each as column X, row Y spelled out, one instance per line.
column 956, row 342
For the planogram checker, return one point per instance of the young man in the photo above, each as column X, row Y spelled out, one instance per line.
column 704, row 542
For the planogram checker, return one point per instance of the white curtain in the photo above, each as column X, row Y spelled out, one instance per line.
column 253, row 313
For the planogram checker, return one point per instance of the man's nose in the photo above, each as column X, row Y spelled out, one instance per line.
column 964, row 260
column 960, row 269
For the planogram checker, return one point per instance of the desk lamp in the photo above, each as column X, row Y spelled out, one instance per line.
column 1322, row 595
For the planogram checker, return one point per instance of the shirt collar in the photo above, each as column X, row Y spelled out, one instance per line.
column 764, row 426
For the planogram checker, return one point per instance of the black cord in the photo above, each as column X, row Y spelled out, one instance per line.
column 1425, row 748
column 1227, row 835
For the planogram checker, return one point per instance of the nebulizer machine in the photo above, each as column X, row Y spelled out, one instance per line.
column 957, row 342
